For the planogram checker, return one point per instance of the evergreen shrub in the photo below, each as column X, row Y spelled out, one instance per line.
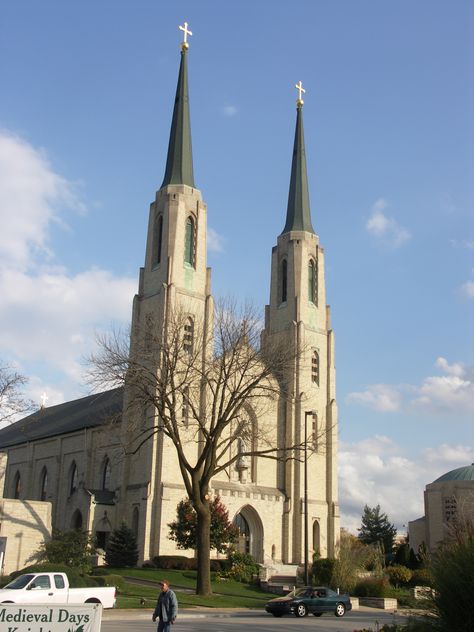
column 122, row 550
column 323, row 571
column 372, row 587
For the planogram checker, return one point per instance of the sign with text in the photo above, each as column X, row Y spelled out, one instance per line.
column 57, row 618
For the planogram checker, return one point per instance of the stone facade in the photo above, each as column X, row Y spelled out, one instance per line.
column 24, row 526
column 448, row 498
column 93, row 485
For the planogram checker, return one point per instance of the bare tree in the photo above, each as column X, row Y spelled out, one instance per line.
column 12, row 400
column 197, row 382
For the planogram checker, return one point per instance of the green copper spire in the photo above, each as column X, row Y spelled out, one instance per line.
column 298, row 214
column 179, row 163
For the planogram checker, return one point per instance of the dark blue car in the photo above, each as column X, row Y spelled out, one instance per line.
column 312, row 599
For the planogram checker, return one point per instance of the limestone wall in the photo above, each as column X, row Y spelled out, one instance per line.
column 25, row 524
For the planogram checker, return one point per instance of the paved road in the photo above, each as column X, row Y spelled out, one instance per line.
column 251, row 621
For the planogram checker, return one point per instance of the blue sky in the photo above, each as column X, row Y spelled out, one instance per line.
column 87, row 93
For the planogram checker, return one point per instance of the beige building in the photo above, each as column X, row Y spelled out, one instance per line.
column 449, row 497
column 71, row 455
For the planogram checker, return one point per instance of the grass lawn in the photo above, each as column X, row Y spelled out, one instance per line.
column 227, row 594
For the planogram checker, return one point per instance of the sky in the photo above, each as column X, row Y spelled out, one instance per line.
column 87, row 91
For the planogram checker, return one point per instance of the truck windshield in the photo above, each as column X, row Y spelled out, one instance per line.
column 19, row 582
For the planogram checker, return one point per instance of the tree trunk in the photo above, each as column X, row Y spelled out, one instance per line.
column 203, row 586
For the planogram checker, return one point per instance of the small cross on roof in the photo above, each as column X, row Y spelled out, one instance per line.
column 186, row 32
column 301, row 90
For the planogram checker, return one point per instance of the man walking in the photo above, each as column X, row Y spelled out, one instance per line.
column 166, row 607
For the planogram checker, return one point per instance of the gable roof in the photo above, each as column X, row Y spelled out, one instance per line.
column 87, row 412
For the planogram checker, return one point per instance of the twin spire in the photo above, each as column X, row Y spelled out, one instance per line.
column 179, row 162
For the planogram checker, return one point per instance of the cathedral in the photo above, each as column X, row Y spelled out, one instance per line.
column 70, row 458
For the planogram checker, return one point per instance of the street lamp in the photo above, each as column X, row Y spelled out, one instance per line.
column 307, row 414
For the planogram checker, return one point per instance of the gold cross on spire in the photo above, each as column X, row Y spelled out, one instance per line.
column 301, row 90
column 186, row 32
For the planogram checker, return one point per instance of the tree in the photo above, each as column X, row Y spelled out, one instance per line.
column 399, row 574
column 376, row 528
column 453, row 569
column 121, row 550
column 183, row 529
column 12, row 400
column 73, row 548
column 195, row 386
column 353, row 557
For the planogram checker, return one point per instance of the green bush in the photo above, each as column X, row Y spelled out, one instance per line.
column 241, row 567
column 73, row 548
column 175, row 562
column 399, row 575
column 422, row 577
column 109, row 580
column 323, row 571
column 121, row 551
column 372, row 587
column 453, row 572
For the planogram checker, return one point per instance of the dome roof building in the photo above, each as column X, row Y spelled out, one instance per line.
column 449, row 497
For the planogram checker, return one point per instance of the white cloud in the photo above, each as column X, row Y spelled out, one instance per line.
column 462, row 243
column 215, row 241
column 230, row 110
column 386, row 229
column 467, row 289
column 452, row 393
column 451, row 369
column 47, row 315
column 382, row 397
column 32, row 196
column 375, row 471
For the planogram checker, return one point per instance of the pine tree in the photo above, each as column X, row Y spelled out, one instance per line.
column 183, row 530
column 121, row 550
column 377, row 529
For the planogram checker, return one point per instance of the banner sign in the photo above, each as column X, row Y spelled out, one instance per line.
column 57, row 618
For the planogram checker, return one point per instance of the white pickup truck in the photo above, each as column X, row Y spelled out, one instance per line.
column 53, row 588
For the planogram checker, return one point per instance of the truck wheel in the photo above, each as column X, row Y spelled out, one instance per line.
column 93, row 600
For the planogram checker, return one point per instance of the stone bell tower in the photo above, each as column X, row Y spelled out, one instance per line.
column 175, row 278
column 299, row 317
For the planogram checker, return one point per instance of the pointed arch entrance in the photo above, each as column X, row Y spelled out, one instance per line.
column 250, row 526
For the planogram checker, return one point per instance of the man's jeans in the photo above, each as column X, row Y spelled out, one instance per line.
column 164, row 626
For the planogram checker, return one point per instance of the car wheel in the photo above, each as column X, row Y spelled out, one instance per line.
column 318, row 614
column 301, row 610
column 340, row 610
column 277, row 614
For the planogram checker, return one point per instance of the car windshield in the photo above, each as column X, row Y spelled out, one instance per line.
column 301, row 592
column 19, row 582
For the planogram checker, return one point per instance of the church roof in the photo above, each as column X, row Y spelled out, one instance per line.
column 179, row 163
column 86, row 412
column 465, row 473
column 298, row 213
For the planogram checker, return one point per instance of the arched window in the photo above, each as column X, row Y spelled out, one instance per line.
column 315, row 432
column 284, row 280
column 189, row 241
column 185, row 409
column 135, row 522
column 157, row 240
column 316, row 538
column 43, row 484
column 73, row 478
column 76, row 520
column 106, row 474
column 17, row 485
column 188, row 340
column 243, row 544
column 312, row 281
column 315, row 368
